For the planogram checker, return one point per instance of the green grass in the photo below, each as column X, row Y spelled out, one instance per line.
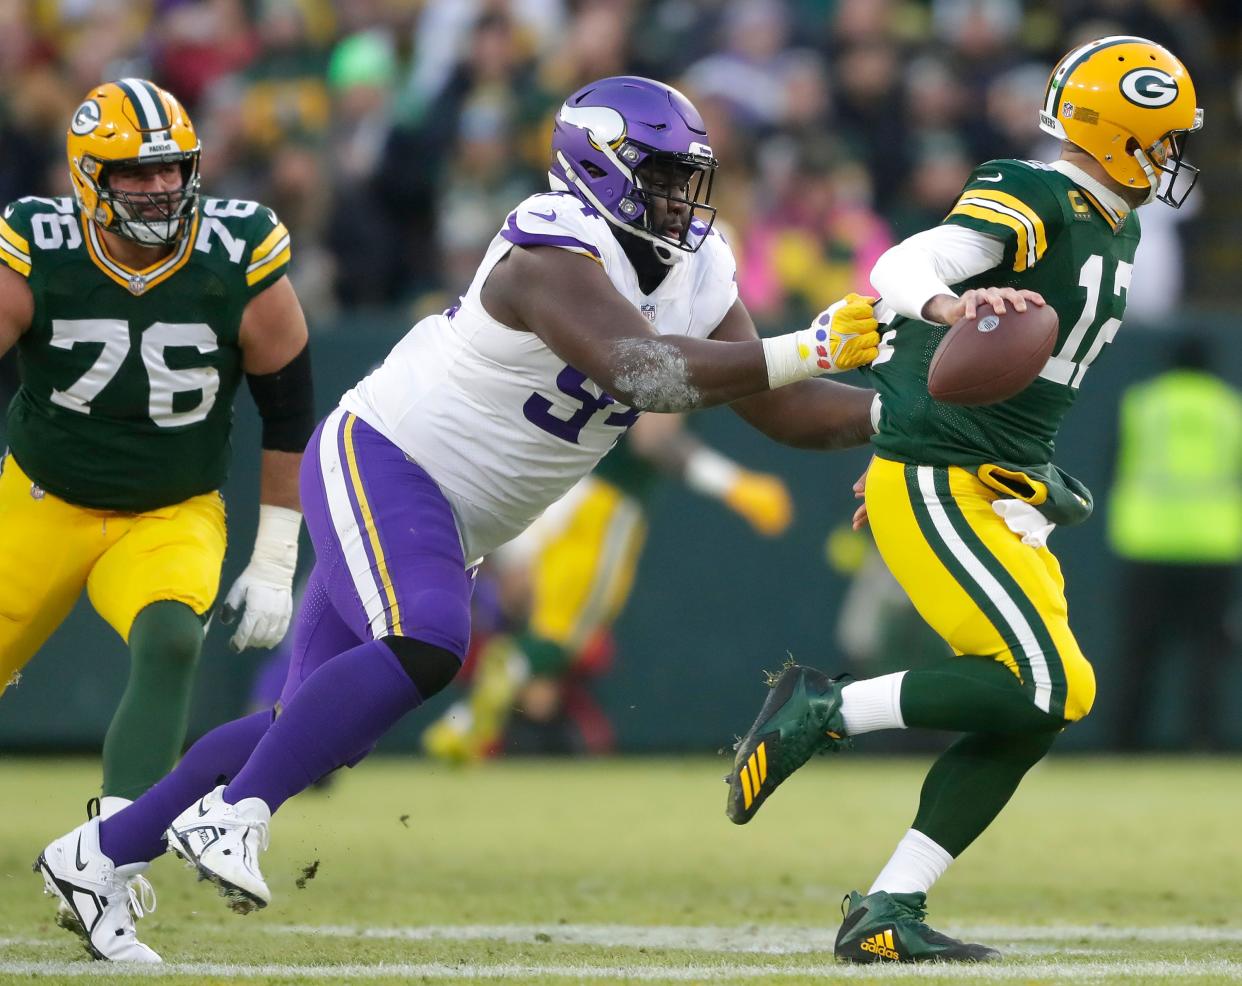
column 627, row 871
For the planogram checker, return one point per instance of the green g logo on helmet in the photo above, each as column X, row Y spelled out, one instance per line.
column 86, row 118
column 1149, row 87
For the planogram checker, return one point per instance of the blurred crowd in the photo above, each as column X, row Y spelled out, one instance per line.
column 393, row 136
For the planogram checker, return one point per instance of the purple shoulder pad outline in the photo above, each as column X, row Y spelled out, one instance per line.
column 521, row 237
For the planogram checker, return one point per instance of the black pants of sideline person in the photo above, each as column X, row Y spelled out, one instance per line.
column 1182, row 611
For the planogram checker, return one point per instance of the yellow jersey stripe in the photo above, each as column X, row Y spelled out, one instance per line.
column 762, row 753
column 1108, row 214
column 157, row 273
column 264, row 248
column 15, row 239
column 1012, row 202
column 13, row 259
column 1022, row 253
column 748, row 794
column 369, row 523
column 255, row 276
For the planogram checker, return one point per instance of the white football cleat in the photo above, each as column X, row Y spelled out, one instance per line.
column 223, row 842
column 104, row 900
column 104, row 807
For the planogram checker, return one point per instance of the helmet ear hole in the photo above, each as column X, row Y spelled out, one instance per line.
column 592, row 169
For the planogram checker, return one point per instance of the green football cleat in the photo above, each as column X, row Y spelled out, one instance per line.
column 801, row 717
column 884, row 927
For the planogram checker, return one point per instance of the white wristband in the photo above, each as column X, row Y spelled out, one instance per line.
column 785, row 362
column 876, row 407
column 276, row 541
column 710, row 473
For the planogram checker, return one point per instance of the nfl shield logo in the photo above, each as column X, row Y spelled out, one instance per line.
column 648, row 313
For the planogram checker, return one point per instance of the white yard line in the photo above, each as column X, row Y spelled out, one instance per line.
column 1036, row 952
column 1219, row 971
column 768, row 939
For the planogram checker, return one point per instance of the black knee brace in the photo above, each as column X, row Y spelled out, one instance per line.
column 431, row 668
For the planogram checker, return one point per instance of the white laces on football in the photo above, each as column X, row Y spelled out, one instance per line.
column 141, row 896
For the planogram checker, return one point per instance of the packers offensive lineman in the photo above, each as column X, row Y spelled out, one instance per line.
column 575, row 566
column 961, row 499
column 478, row 420
column 136, row 306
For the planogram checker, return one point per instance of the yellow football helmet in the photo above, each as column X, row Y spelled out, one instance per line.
column 1130, row 104
column 132, row 121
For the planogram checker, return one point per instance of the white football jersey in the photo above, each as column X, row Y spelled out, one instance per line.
column 499, row 421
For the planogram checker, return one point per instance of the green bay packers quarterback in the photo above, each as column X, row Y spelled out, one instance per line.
column 136, row 307
column 961, row 499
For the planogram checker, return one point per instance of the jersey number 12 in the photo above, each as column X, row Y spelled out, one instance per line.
column 1067, row 366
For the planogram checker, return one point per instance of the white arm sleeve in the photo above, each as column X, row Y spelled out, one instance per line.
column 917, row 269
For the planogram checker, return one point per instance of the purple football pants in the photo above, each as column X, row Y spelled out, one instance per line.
column 388, row 562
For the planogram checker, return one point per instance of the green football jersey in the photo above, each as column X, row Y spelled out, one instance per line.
column 1059, row 241
column 128, row 377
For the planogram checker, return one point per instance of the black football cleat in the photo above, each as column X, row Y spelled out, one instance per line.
column 883, row 927
column 801, row 717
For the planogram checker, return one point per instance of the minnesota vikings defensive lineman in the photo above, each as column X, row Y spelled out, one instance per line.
column 609, row 296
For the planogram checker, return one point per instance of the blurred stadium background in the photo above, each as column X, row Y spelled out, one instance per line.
column 393, row 136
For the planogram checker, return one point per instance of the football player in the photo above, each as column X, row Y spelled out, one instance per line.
column 961, row 499
column 577, row 563
column 478, row 420
column 137, row 305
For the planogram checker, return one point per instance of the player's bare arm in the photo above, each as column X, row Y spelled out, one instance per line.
column 605, row 337
column 812, row 414
column 16, row 308
column 276, row 359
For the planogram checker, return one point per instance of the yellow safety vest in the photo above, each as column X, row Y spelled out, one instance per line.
column 1178, row 493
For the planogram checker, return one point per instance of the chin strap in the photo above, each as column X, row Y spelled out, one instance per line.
column 1153, row 179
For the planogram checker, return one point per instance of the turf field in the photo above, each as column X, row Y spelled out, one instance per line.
column 626, row 871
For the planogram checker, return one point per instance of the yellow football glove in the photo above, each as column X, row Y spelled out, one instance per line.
column 763, row 501
column 844, row 337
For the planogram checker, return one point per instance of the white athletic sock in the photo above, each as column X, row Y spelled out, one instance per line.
column 872, row 704
column 915, row 865
column 110, row 804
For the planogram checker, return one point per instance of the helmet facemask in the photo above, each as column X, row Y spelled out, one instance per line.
column 148, row 218
column 1166, row 157
column 676, row 180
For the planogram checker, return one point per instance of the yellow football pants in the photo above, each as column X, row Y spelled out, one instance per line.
column 975, row 582
column 582, row 577
column 50, row 550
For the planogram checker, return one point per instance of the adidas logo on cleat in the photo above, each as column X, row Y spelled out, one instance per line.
column 754, row 773
column 881, row 945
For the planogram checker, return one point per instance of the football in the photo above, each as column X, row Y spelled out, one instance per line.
column 990, row 358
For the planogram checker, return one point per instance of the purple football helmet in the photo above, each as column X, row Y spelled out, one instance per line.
column 607, row 130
